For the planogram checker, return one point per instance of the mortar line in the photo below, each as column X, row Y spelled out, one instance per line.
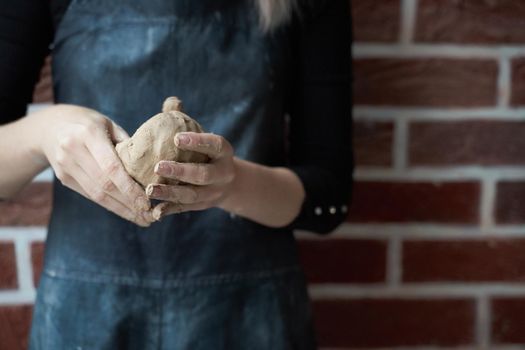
column 44, row 176
column 411, row 50
column 416, row 231
column 429, row 347
column 434, row 290
column 394, row 267
column 483, row 320
column 35, row 107
column 407, row 21
column 23, row 264
column 434, row 173
column 487, row 203
column 400, row 145
column 389, row 113
column 504, row 82
column 12, row 233
column 16, row 297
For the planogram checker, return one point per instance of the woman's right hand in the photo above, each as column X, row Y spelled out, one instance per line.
column 78, row 143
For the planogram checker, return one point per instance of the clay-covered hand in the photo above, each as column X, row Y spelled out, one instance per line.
column 205, row 185
column 78, row 144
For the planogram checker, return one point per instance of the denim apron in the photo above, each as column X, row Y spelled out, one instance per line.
column 195, row 280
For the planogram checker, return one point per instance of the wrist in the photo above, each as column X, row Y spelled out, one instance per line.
column 33, row 129
column 36, row 127
column 230, row 202
column 40, row 125
column 271, row 196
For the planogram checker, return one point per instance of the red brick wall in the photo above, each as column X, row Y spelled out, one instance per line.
column 432, row 254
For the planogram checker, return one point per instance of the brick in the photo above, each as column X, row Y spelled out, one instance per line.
column 394, row 322
column 375, row 20
column 14, row 327
column 489, row 260
column 32, row 206
column 8, row 275
column 343, row 260
column 373, row 143
column 480, row 142
column 43, row 91
column 508, row 320
column 37, row 260
column 518, row 82
column 425, row 82
column 470, row 21
column 439, row 202
column 510, row 202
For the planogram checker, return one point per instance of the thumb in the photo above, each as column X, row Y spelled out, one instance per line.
column 117, row 134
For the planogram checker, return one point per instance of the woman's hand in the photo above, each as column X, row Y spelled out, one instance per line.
column 208, row 184
column 78, row 143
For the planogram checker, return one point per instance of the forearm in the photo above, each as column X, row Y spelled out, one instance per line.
column 18, row 156
column 271, row 196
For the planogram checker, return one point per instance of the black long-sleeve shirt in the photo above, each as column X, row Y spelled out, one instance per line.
column 319, row 104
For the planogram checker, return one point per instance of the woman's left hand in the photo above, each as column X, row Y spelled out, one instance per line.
column 207, row 184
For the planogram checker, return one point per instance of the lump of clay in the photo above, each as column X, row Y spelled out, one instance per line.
column 154, row 141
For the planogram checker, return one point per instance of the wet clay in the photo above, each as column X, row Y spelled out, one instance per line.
column 154, row 141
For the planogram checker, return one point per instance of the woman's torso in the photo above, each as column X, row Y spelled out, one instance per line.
column 123, row 58
column 196, row 280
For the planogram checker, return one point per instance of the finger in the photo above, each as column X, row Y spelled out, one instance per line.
column 215, row 146
column 87, row 188
column 117, row 133
column 192, row 173
column 85, row 161
column 90, row 191
column 183, row 194
column 105, row 155
column 163, row 209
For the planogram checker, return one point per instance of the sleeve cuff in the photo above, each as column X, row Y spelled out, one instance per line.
column 325, row 205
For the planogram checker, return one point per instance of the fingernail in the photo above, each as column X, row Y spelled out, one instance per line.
column 149, row 190
column 182, row 139
column 158, row 211
column 162, row 169
column 156, row 191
